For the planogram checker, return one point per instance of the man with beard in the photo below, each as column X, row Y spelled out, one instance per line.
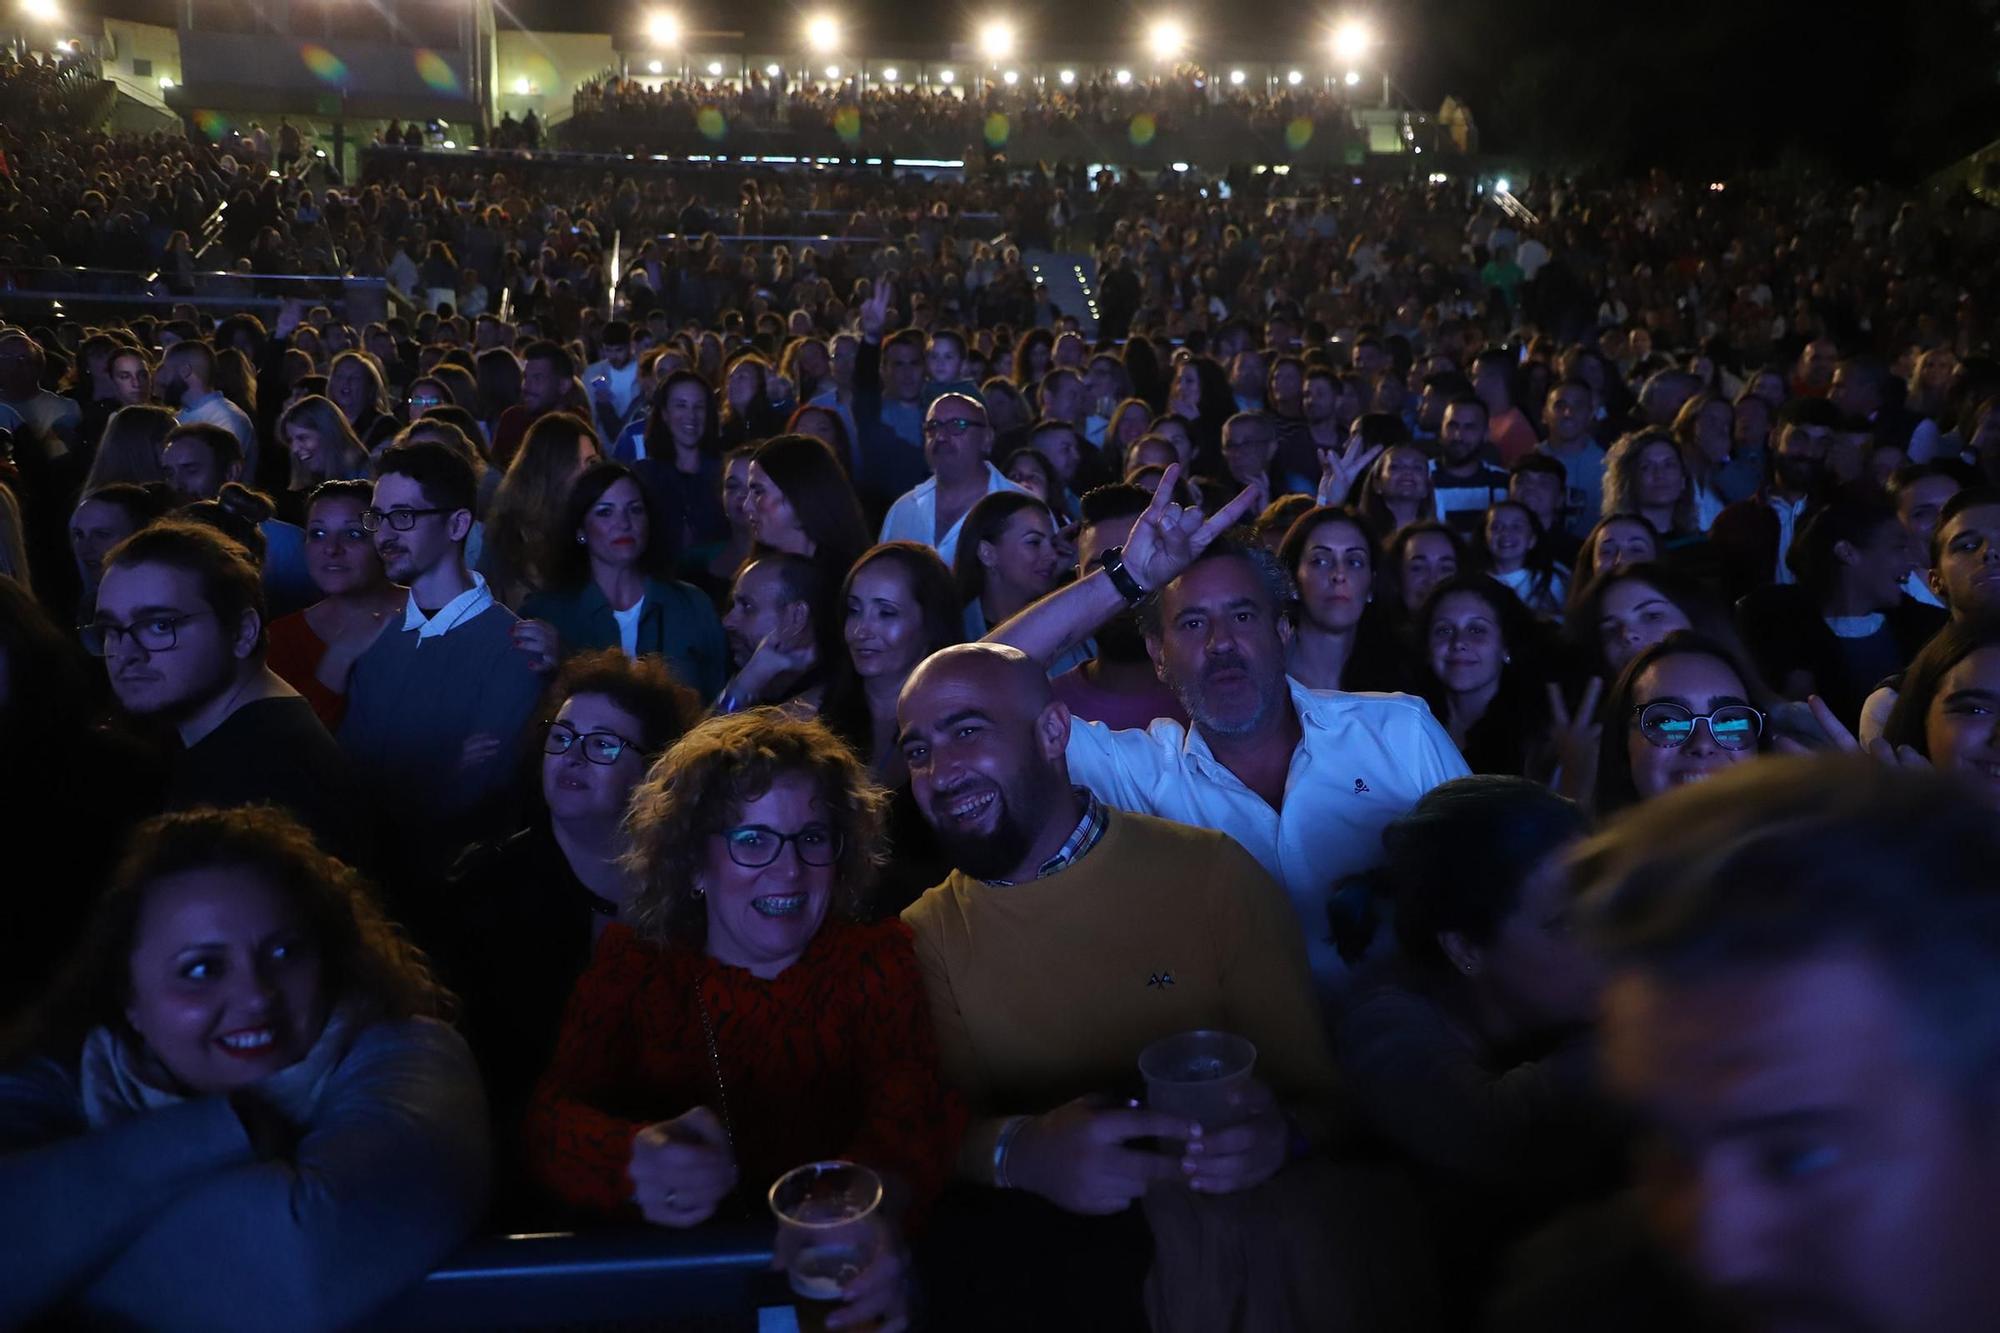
column 1802, row 1014
column 1068, row 936
column 186, row 383
column 435, row 707
column 1462, row 481
column 180, row 626
column 1752, row 537
column 1304, row 779
column 1118, row 687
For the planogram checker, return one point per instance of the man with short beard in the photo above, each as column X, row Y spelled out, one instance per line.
column 1068, row 936
column 180, row 626
column 1463, row 483
column 1304, row 779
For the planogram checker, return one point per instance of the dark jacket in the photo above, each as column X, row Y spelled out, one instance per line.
column 677, row 624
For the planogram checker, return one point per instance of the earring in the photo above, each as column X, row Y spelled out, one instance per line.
column 581, row 539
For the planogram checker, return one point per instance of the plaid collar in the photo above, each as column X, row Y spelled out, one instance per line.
column 1088, row 832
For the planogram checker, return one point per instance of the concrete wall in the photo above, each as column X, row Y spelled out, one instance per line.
column 142, row 41
column 549, row 65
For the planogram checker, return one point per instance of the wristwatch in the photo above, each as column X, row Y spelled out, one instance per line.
column 1112, row 562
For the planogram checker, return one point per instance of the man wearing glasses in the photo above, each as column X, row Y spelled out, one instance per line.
column 180, row 626
column 435, row 706
column 958, row 445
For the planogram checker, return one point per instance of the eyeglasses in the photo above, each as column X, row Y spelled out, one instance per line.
column 753, row 846
column 1670, row 725
column 402, row 520
column 155, row 636
column 425, row 402
column 954, row 426
column 599, row 747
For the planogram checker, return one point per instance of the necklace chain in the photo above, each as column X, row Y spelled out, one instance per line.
column 715, row 1064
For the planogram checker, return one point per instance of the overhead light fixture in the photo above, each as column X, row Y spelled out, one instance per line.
column 772, row 71
column 996, row 39
column 1166, row 39
column 823, row 33
column 521, row 86
column 1067, row 77
column 166, row 84
column 1351, row 78
column 946, row 76
column 1351, row 41
column 715, row 69
column 833, row 71
column 1295, row 78
column 654, row 67
column 663, row 28
column 1010, row 78
column 1124, row 77
column 889, row 74
column 1236, row 77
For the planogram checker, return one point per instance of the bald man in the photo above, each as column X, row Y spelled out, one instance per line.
column 1069, row 936
column 958, row 445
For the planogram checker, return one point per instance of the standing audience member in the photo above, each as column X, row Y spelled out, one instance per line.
column 526, row 509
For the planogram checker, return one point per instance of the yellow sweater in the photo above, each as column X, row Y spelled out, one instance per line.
column 1045, row 991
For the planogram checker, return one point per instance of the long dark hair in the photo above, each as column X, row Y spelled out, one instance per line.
column 568, row 560
column 1506, row 736
column 821, row 496
column 1614, row 751
column 363, row 956
column 1951, row 645
column 984, row 522
column 1374, row 663
column 659, row 440
column 846, row 708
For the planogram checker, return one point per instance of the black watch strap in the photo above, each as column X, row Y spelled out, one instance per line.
column 1112, row 562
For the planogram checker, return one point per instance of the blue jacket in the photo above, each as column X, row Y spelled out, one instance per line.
column 678, row 624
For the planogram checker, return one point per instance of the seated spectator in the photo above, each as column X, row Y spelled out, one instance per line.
column 240, row 1108
column 679, row 444
column 1644, row 474
column 1752, row 537
column 1944, row 711
column 1846, row 625
column 1468, row 1049
column 1704, row 431
column 1007, row 557
column 800, row 502
column 608, row 586
column 1919, row 491
column 740, row 997
column 102, row 519
column 180, row 626
column 547, row 373
column 1518, row 556
column 779, row 631
column 323, row 447
column 1342, row 639
column 1540, row 483
column 520, row 918
column 1273, row 764
column 1052, row 892
column 521, row 522
column 1634, row 606
column 1682, row 711
column 1613, row 542
column 133, row 448
column 314, row 650
column 1481, row 653
column 436, row 705
column 1463, row 482
column 958, row 445
column 1797, row 994
column 1414, row 561
column 199, row 460
column 1396, row 489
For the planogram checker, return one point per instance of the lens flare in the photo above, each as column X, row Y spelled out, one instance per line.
column 998, row 130
column 1298, row 133
column 847, row 124
column 435, row 73
column 1142, row 130
column 324, row 64
column 709, row 120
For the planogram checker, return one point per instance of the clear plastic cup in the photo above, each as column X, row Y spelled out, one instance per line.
column 1201, row 1075
column 827, row 1229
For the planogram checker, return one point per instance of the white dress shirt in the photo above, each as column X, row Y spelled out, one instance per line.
column 1362, row 761
column 913, row 518
column 452, row 614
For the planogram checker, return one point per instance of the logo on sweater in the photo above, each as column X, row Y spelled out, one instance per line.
column 1360, row 787
column 1162, row 980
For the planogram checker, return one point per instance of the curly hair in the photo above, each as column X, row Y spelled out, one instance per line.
column 698, row 785
column 364, row 957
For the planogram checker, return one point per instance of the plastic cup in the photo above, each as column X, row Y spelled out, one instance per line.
column 1201, row 1075
column 827, row 1232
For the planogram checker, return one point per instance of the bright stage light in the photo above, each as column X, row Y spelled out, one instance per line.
column 822, row 32
column 1351, row 78
column 996, row 39
column 1351, row 40
column 1295, row 78
column 1166, row 39
column 1124, row 77
column 1068, row 77
column 1236, row 77
column 715, row 69
column 663, row 29
column 655, row 67
column 889, row 74
column 946, row 76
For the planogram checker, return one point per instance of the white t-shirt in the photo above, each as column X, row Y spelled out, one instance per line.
column 628, row 626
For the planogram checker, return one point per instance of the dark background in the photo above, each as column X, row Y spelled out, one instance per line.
column 1883, row 89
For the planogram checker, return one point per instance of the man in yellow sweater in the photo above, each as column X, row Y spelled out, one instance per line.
column 1069, row 936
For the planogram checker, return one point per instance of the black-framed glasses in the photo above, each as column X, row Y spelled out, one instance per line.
column 599, row 747
column 402, row 520
column 156, row 635
column 1671, row 725
column 754, row 846
column 953, row 426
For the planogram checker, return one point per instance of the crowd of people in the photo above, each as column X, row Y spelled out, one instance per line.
column 513, row 766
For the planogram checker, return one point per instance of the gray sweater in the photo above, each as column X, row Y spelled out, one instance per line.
column 413, row 703
column 171, row 1219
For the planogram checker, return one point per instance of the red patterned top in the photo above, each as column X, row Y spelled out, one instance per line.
column 834, row 1057
column 295, row 653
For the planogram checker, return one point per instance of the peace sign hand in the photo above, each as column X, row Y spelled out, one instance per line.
column 1169, row 536
column 1340, row 469
column 875, row 310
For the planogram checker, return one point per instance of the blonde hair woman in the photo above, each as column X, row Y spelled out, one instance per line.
column 322, row 444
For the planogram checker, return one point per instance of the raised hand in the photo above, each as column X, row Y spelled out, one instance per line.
column 1839, row 738
column 1340, row 468
column 875, row 310
column 1168, row 536
column 1576, row 735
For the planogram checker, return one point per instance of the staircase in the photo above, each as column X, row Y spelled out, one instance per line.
column 1068, row 276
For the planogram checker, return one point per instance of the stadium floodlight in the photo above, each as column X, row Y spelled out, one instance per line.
column 833, row 71
column 1166, row 39
column 1501, row 186
column 1236, row 77
column 1067, row 77
column 521, row 86
column 715, row 69
column 41, row 11
column 1352, row 40
column 823, row 32
column 663, row 28
column 772, row 71
column 1124, row 77
column 655, row 67
column 946, row 76
column 166, row 84
column 1295, row 78
column 996, row 39
column 889, row 74
column 1351, row 78
column 1010, row 78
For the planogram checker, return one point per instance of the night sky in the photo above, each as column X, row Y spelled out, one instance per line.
column 1872, row 90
